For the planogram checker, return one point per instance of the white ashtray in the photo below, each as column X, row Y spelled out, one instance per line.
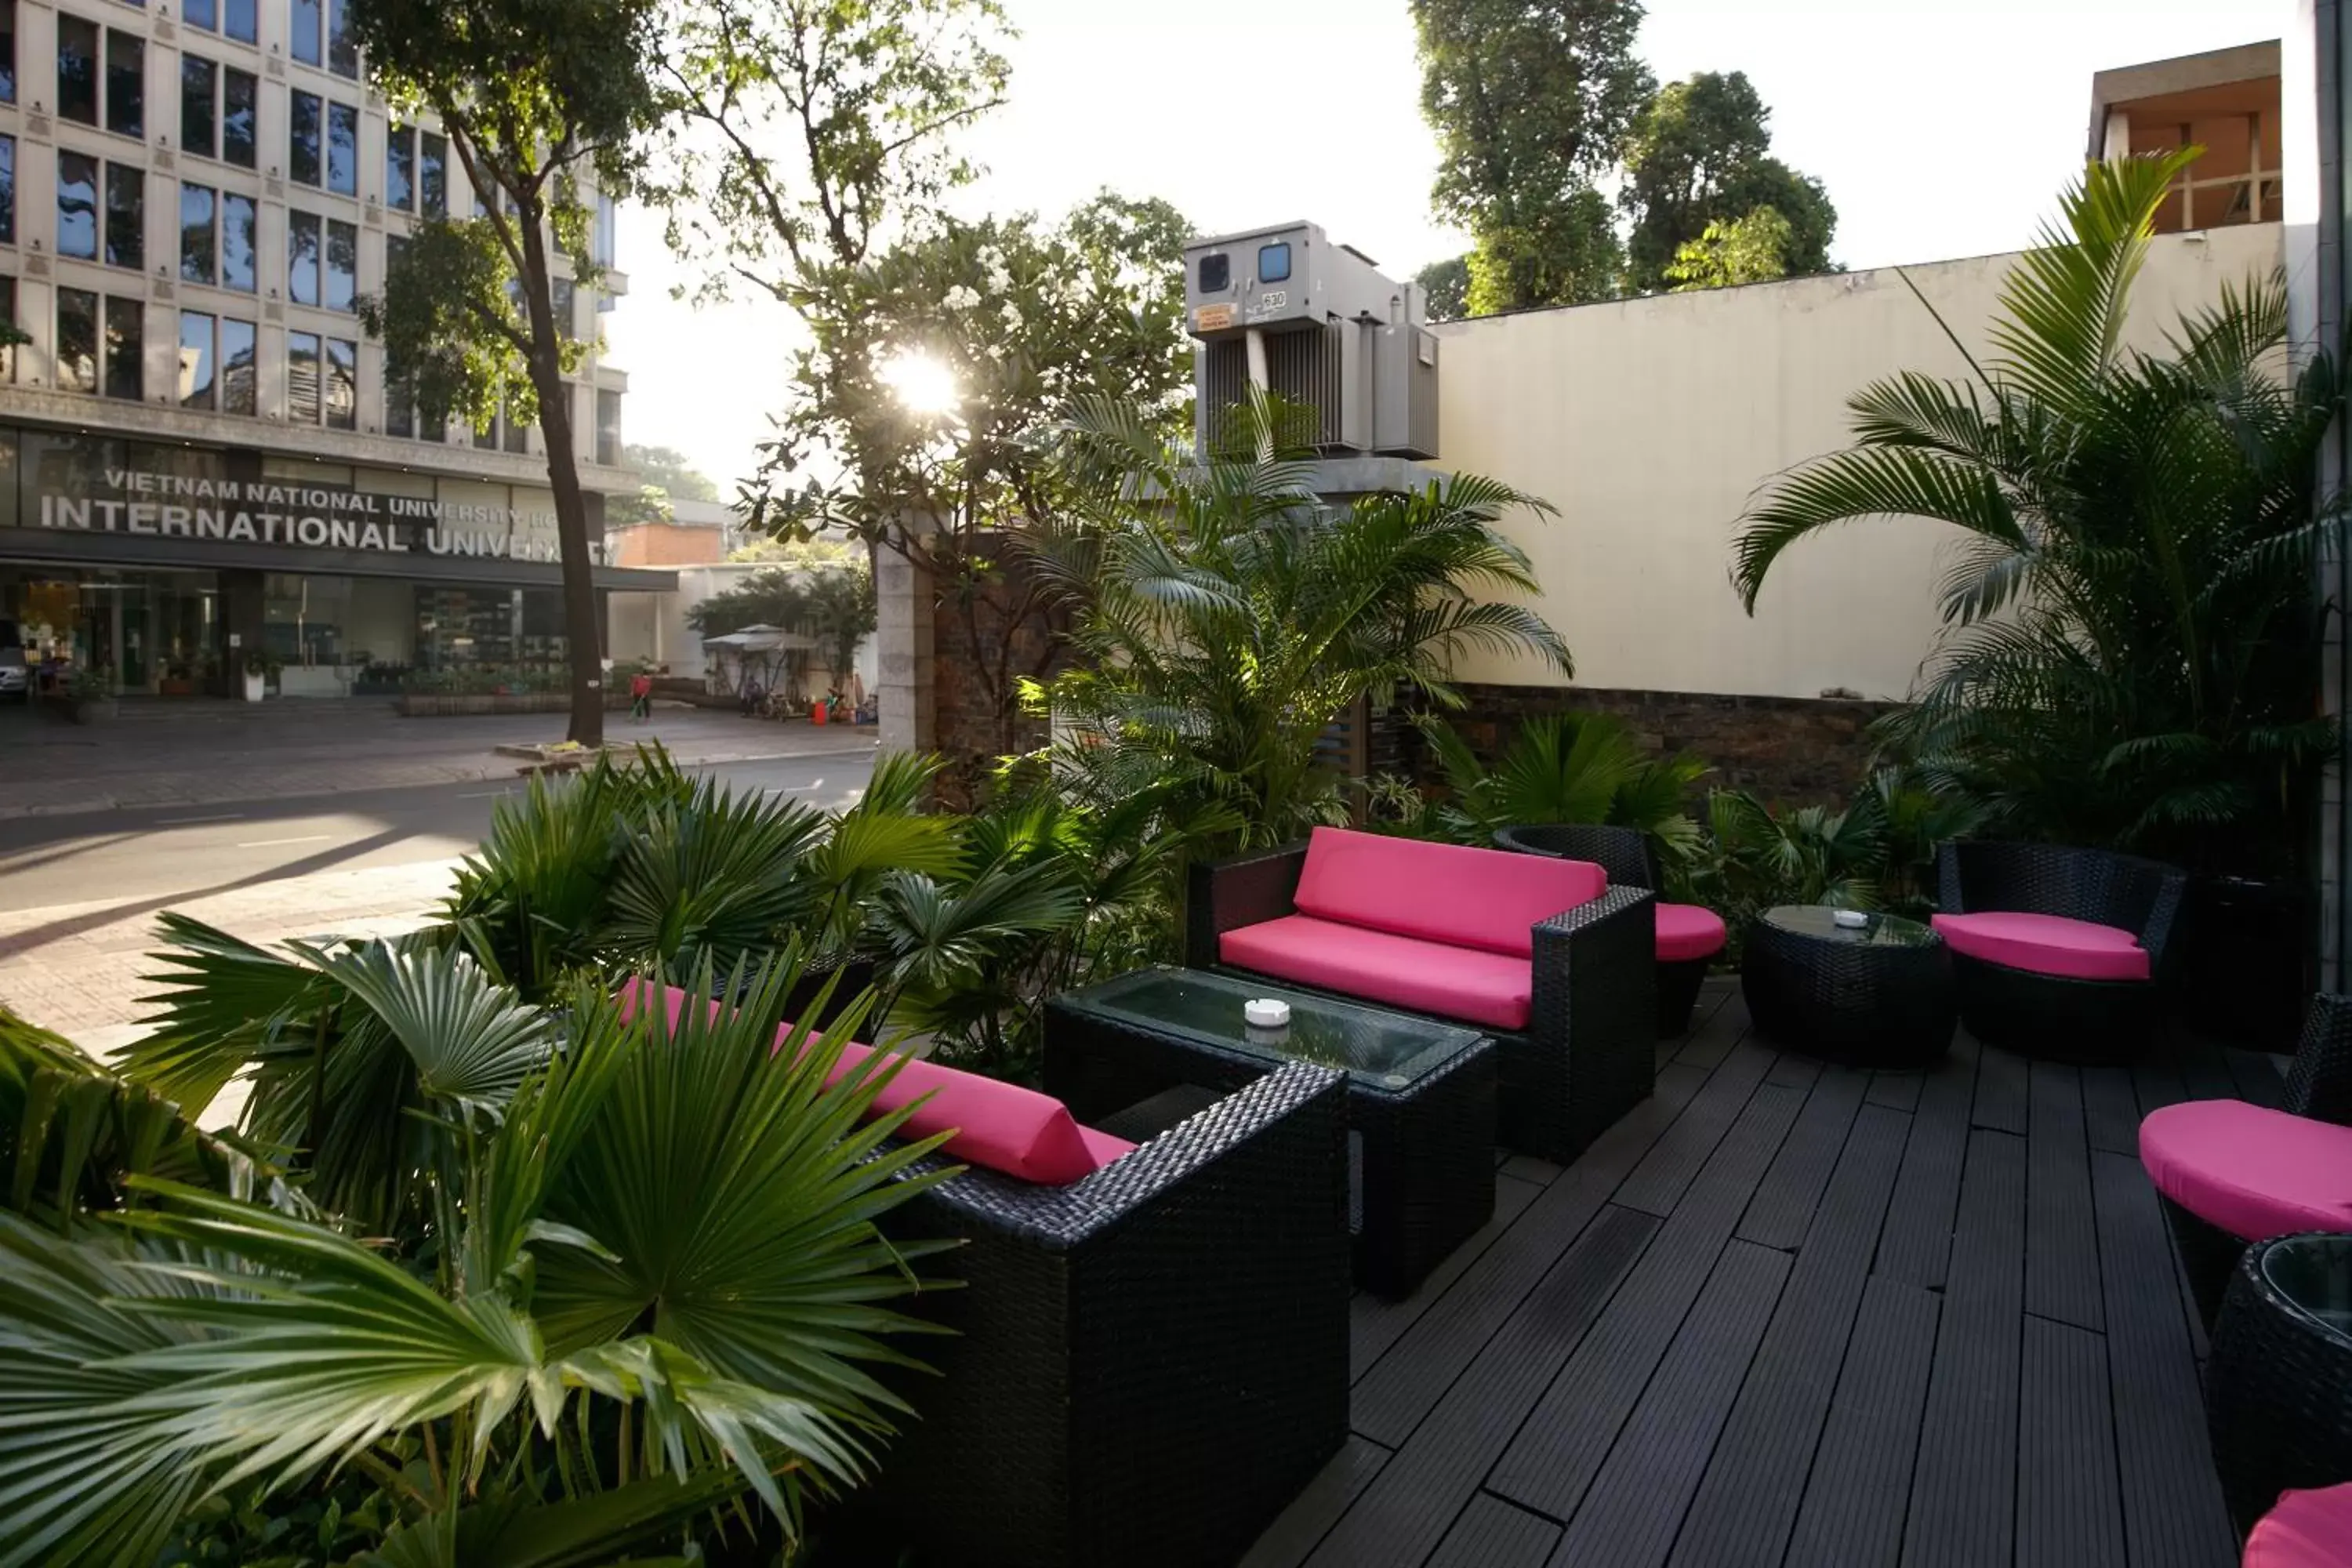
column 1853, row 920
column 1264, row 1013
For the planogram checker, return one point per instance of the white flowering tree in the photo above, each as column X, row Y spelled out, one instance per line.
column 937, row 375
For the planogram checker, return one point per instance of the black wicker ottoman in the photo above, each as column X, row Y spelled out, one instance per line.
column 1877, row 994
column 2278, row 1390
column 1421, row 1095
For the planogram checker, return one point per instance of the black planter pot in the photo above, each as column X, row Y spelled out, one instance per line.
column 2243, row 960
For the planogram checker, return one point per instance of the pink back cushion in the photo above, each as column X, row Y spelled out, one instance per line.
column 1002, row 1126
column 2306, row 1530
column 1489, row 988
column 2046, row 945
column 2254, row 1172
column 1487, row 899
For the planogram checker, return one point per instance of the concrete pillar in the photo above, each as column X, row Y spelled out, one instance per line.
column 906, row 620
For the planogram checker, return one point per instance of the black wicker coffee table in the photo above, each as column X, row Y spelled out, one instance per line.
column 1879, row 993
column 2278, row 1390
column 1421, row 1095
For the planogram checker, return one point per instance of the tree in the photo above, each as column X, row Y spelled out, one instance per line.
column 2131, row 651
column 1445, row 289
column 1530, row 102
column 537, row 97
column 1752, row 249
column 1700, row 152
column 665, row 475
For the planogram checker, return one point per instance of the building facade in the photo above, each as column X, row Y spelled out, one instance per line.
column 199, row 455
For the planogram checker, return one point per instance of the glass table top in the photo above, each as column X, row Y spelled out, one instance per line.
column 2314, row 1273
column 1820, row 921
column 1385, row 1051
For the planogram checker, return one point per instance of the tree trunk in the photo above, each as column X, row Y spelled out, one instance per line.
column 582, row 627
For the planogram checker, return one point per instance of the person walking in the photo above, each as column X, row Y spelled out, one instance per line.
column 641, row 697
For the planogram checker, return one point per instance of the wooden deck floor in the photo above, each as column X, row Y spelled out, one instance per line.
column 1791, row 1313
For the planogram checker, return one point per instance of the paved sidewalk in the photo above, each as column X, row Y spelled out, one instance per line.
column 161, row 753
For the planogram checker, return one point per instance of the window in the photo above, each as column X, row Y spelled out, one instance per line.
column 204, row 14
column 199, row 106
column 239, row 20
column 342, row 384
column 126, row 83
column 8, row 314
column 302, row 377
column 77, row 340
column 399, row 412
column 238, row 269
column 1273, row 263
column 486, row 437
column 433, row 176
column 199, row 245
column 608, row 428
column 240, row 136
column 302, row 25
column 342, row 49
column 1216, row 274
column 236, row 377
column 566, row 321
column 199, row 367
column 126, row 217
column 8, row 68
column 343, row 149
column 303, row 260
column 78, row 207
column 400, row 169
column 602, row 245
column 342, row 265
column 8, row 190
column 76, row 70
column 126, row 349
column 303, row 163
column 518, row 434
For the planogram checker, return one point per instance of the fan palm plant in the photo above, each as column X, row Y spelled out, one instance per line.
column 2131, row 645
column 646, row 1292
column 1568, row 768
column 1226, row 614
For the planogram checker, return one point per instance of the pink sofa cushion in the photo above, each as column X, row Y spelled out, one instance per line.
column 1424, row 976
column 1000, row 1125
column 1485, row 898
column 2046, row 945
column 2253, row 1172
column 2307, row 1530
column 1687, row 933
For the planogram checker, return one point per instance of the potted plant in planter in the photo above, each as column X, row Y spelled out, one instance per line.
column 88, row 694
column 261, row 663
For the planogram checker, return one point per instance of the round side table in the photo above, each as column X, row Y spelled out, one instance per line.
column 1877, row 993
column 2278, row 1390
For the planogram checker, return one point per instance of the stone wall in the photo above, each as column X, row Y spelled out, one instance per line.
column 1795, row 749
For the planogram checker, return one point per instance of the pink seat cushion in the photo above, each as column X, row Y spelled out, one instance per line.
column 1000, row 1125
column 2253, row 1172
column 2046, row 945
column 1688, row 932
column 2306, row 1530
column 1485, row 898
column 1425, row 976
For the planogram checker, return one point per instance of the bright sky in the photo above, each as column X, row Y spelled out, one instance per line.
column 1943, row 128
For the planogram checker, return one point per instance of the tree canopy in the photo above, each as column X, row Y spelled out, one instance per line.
column 1700, row 154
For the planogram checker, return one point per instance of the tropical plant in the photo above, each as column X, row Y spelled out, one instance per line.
column 1227, row 614
column 643, row 1288
column 1567, row 767
column 2131, row 645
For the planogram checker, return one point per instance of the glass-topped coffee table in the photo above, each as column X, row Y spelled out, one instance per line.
column 1421, row 1095
column 2278, row 1388
column 1872, row 989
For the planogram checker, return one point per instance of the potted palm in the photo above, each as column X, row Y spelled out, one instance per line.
column 260, row 664
column 2131, row 653
column 89, row 695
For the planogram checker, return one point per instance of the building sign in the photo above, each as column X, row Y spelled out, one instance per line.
column 276, row 512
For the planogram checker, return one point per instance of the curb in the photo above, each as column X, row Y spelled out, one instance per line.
column 458, row 774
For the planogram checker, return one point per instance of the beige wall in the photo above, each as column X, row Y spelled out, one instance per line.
column 1648, row 423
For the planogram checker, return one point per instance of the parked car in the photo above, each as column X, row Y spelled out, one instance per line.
column 16, row 678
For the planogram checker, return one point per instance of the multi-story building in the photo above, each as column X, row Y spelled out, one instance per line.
column 198, row 451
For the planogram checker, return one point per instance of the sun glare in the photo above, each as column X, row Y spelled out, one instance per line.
column 923, row 383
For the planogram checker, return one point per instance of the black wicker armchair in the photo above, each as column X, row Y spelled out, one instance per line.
column 1586, row 1056
column 1631, row 861
column 1147, row 1364
column 2318, row 1089
column 2050, row 1014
